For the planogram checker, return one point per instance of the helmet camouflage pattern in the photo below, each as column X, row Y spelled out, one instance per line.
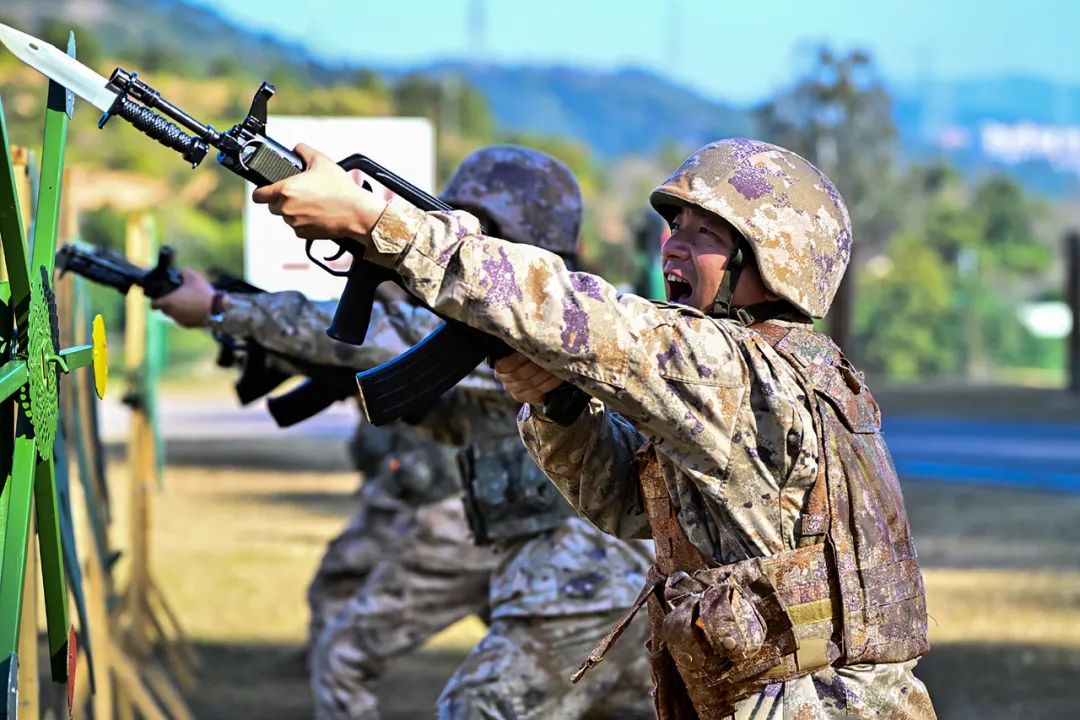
column 531, row 196
column 791, row 215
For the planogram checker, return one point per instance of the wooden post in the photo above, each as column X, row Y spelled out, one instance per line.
column 89, row 530
column 120, row 692
column 20, row 159
column 140, row 444
column 97, row 592
column 1072, row 284
column 29, row 682
column 143, row 671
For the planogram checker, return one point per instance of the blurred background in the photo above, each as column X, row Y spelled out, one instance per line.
column 953, row 131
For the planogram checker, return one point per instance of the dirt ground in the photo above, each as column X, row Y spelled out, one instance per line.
column 238, row 531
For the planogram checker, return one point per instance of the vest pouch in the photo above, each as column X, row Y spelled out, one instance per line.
column 421, row 475
column 701, row 669
column 733, row 614
column 506, row 495
column 732, row 624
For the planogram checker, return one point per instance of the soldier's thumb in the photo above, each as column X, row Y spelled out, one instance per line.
column 308, row 154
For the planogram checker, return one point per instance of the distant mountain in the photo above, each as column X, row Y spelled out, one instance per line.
column 1004, row 99
column 615, row 113
column 1025, row 125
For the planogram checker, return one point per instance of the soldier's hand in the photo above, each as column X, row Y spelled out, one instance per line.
column 323, row 202
column 524, row 380
column 189, row 304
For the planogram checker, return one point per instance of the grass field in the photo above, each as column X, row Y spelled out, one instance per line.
column 236, row 542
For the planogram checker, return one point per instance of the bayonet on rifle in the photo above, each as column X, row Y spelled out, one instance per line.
column 261, row 370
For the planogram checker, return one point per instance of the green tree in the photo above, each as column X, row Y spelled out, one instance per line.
column 903, row 302
column 839, row 116
column 457, row 109
column 1009, row 238
column 980, row 252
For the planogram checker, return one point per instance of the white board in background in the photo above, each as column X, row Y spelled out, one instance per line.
column 274, row 258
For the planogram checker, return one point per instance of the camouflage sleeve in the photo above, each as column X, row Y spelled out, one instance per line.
column 290, row 324
column 599, row 445
column 678, row 375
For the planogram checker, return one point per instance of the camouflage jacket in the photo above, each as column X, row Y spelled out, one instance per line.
column 734, row 439
column 290, row 324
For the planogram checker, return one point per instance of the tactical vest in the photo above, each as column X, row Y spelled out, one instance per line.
column 424, row 475
column 506, row 495
column 405, row 464
column 851, row 592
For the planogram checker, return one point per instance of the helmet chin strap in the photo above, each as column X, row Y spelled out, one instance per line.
column 724, row 303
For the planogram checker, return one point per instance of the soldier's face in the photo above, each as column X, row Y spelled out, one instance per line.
column 695, row 256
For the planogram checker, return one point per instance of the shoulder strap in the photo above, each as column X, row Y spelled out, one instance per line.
column 674, row 551
column 815, row 519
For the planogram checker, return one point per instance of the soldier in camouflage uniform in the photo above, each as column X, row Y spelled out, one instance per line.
column 405, row 468
column 786, row 581
column 559, row 582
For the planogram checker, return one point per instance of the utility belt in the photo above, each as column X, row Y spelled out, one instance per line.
column 506, row 495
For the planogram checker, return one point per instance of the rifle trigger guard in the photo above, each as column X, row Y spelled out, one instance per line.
column 335, row 256
column 322, row 264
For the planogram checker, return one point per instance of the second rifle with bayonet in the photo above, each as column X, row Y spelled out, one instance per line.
column 261, row 370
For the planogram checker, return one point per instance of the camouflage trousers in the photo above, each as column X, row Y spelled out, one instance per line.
column 888, row 690
column 521, row 671
column 376, row 530
column 435, row 577
column 429, row 579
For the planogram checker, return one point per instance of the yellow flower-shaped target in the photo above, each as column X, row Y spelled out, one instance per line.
column 101, row 356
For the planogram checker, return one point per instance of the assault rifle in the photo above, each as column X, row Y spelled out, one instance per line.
column 261, row 370
column 395, row 389
column 391, row 391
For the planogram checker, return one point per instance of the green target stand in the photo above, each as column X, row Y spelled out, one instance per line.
column 32, row 364
column 123, row 685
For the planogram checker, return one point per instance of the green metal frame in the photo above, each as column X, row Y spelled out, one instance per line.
column 28, row 380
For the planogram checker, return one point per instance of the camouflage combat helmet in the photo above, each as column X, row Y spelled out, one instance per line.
column 532, row 197
column 789, row 213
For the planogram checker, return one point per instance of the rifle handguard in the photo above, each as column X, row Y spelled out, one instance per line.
column 157, row 128
column 305, row 401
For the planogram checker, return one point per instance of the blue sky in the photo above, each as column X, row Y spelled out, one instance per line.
column 728, row 49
